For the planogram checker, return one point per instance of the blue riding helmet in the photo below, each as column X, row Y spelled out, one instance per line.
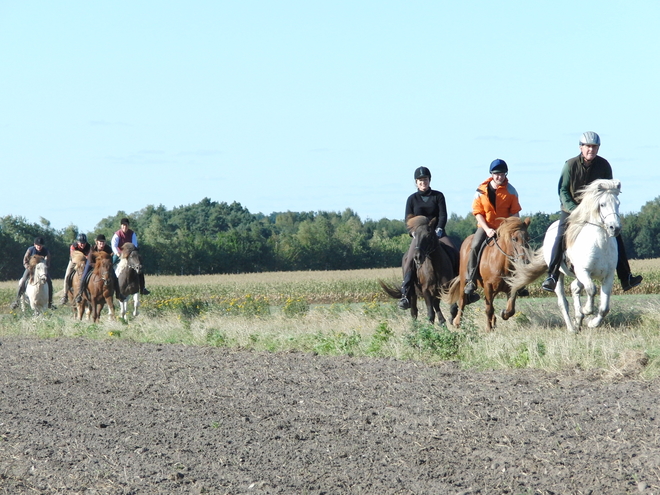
column 499, row 166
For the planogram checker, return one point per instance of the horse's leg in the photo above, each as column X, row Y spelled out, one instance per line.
column 584, row 280
column 510, row 305
column 576, row 289
column 438, row 312
column 604, row 307
column 562, row 302
column 489, row 295
column 430, row 310
column 111, row 306
column 136, row 303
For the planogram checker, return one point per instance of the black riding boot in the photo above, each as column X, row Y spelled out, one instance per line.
column 406, row 287
column 143, row 290
column 470, row 286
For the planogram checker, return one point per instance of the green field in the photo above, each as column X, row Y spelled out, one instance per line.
column 346, row 312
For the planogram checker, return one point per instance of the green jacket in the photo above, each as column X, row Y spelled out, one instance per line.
column 576, row 175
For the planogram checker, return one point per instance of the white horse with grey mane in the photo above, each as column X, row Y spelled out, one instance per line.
column 591, row 253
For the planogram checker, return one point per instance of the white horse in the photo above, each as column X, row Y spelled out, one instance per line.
column 591, row 253
column 36, row 289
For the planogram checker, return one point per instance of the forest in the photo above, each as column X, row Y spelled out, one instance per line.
column 217, row 237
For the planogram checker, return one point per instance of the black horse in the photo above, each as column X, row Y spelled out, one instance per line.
column 436, row 264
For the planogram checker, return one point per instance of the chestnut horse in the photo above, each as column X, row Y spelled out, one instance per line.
column 100, row 288
column 495, row 264
column 79, row 260
column 434, row 269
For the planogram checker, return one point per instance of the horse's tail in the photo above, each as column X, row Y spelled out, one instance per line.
column 451, row 293
column 391, row 291
column 526, row 270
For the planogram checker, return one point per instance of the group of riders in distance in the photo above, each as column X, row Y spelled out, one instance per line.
column 123, row 236
column 495, row 206
column 497, row 200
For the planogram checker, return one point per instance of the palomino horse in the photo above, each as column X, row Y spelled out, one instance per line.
column 36, row 290
column 79, row 261
column 128, row 271
column 591, row 252
column 497, row 256
column 100, row 287
column 434, row 267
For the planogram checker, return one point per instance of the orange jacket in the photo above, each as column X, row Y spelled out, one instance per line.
column 506, row 203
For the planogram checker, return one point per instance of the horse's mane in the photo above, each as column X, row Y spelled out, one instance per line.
column 99, row 257
column 413, row 222
column 34, row 260
column 127, row 249
column 589, row 198
column 77, row 257
column 509, row 226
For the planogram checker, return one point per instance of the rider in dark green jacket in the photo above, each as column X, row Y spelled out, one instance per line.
column 577, row 173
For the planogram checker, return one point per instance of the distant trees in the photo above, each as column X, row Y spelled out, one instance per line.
column 218, row 237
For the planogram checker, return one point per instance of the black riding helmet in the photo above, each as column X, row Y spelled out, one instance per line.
column 422, row 172
column 82, row 238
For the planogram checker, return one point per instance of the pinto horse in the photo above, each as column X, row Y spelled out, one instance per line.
column 36, row 290
column 100, row 288
column 128, row 272
column 495, row 263
column 591, row 253
column 436, row 264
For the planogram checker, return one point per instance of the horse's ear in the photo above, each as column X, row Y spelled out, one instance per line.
column 617, row 184
column 433, row 223
column 527, row 220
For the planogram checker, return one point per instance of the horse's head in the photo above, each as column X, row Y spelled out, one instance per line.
column 514, row 236
column 38, row 270
column 132, row 256
column 423, row 232
column 599, row 205
column 103, row 266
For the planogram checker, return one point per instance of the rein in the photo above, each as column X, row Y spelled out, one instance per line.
column 508, row 256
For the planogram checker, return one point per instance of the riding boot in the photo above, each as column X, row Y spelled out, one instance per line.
column 470, row 286
column 22, row 285
column 143, row 290
column 50, row 294
column 404, row 302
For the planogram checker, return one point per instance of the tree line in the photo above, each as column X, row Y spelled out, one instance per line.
column 217, row 237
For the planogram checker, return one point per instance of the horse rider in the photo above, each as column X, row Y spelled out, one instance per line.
column 121, row 237
column 37, row 249
column 577, row 173
column 495, row 200
column 99, row 246
column 80, row 244
column 430, row 203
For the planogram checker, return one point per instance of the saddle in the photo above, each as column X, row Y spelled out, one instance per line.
column 452, row 252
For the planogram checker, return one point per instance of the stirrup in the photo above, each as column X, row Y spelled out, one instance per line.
column 404, row 303
column 549, row 284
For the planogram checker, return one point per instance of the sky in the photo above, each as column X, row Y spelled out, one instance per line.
column 317, row 105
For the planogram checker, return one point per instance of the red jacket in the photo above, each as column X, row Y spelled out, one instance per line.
column 506, row 203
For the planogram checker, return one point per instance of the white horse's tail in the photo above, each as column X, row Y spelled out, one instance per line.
column 451, row 293
column 526, row 270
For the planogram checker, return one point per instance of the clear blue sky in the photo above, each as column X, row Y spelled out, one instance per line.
column 317, row 105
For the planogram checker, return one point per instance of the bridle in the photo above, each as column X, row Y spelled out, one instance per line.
column 518, row 249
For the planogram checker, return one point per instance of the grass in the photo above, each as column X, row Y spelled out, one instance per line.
column 346, row 313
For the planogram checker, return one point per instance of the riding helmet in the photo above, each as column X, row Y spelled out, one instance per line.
column 100, row 237
column 82, row 238
column 39, row 241
column 590, row 138
column 499, row 166
column 422, row 172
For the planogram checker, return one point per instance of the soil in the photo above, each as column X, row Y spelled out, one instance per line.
column 116, row 417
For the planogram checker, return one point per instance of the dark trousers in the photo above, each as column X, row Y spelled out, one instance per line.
column 475, row 248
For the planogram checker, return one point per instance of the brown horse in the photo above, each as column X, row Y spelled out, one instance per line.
column 436, row 264
column 100, row 288
column 495, row 264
